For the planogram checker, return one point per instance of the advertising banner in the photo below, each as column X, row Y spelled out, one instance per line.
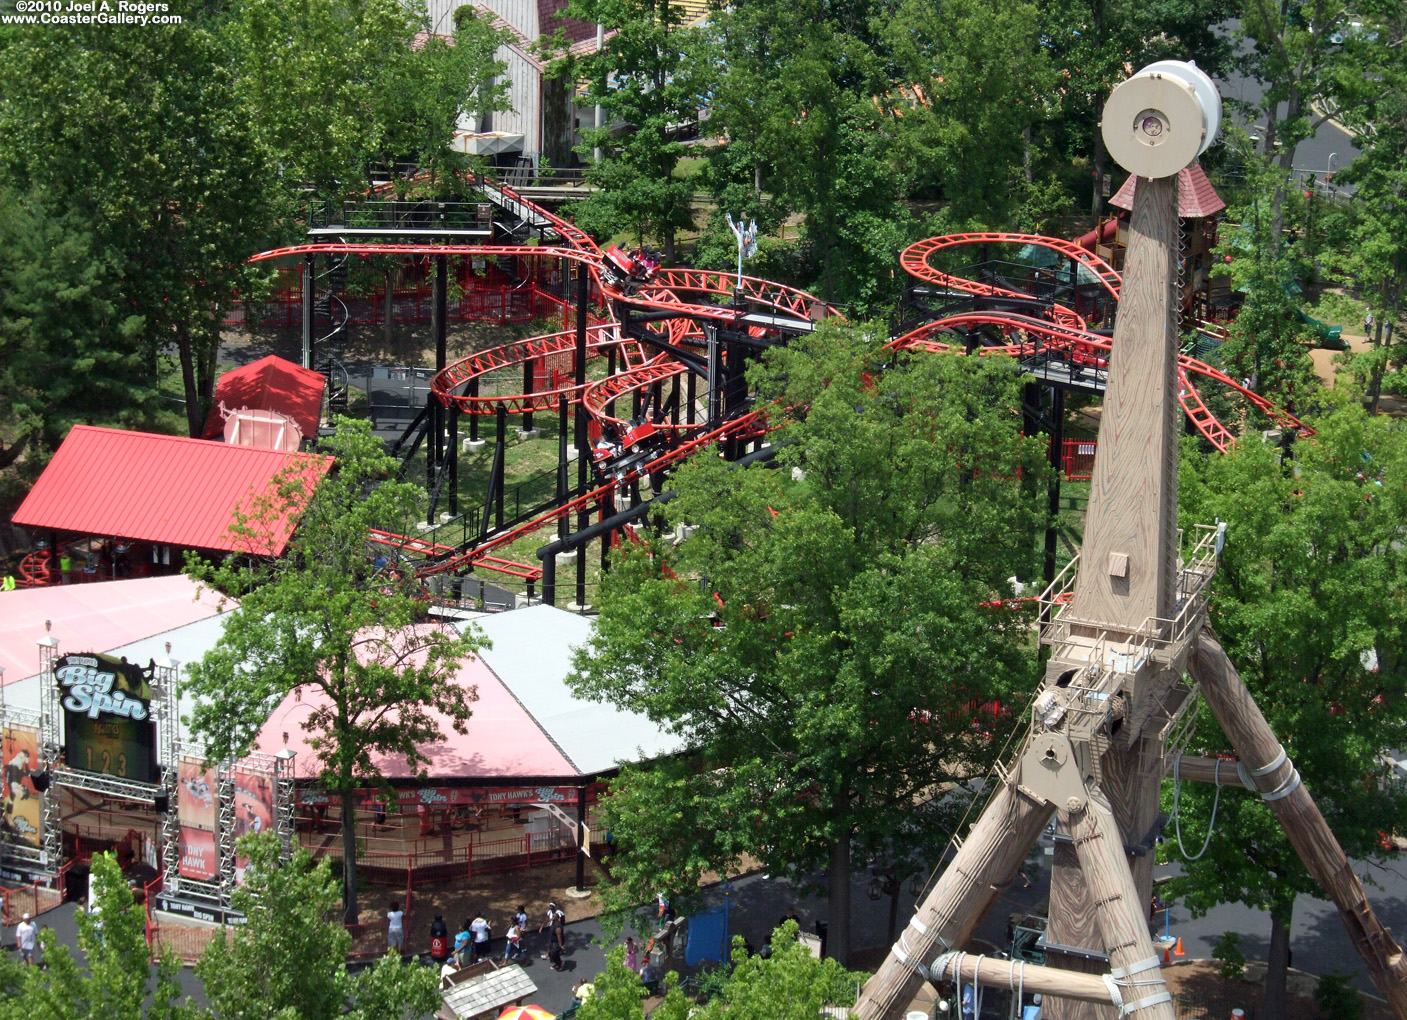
column 108, row 725
column 196, row 785
column 23, row 804
column 253, row 808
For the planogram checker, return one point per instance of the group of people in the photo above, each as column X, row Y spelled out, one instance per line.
column 474, row 940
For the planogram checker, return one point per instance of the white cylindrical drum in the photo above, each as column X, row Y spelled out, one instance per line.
column 1161, row 119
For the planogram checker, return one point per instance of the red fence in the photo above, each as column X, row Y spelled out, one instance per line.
column 419, row 867
column 33, row 899
column 1077, row 459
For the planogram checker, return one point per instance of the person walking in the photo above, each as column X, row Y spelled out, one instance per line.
column 462, row 940
column 483, row 935
column 513, row 943
column 25, row 932
column 555, row 926
column 395, row 928
column 632, row 954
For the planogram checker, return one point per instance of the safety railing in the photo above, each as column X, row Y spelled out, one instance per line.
column 39, row 897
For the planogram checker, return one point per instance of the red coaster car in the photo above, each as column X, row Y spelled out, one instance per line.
column 627, row 270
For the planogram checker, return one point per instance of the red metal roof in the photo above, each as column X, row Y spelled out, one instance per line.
column 152, row 488
column 269, row 384
column 1195, row 195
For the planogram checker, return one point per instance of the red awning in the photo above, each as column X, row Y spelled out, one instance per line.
column 269, row 384
column 152, row 488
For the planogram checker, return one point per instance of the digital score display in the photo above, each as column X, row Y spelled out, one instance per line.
column 108, row 728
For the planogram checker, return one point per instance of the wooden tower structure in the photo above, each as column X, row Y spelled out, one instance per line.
column 1126, row 622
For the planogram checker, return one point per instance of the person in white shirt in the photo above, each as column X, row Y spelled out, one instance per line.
column 479, row 928
column 395, row 928
column 24, row 938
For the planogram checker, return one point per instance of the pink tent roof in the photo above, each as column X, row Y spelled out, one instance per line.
column 503, row 739
column 95, row 617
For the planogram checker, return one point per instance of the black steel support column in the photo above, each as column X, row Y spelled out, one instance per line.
column 674, row 402
column 309, row 302
column 582, row 280
column 583, row 520
column 608, row 509
column 610, row 371
column 549, row 580
column 691, row 396
column 498, row 461
column 563, row 524
column 474, row 418
column 529, row 377
column 441, row 311
column 432, row 434
column 454, row 460
column 715, row 376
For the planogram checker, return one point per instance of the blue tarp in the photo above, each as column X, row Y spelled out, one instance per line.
column 706, row 936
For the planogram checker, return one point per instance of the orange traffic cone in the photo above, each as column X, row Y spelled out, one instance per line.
column 1167, row 954
column 1177, row 950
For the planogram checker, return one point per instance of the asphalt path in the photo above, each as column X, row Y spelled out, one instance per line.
column 756, row 904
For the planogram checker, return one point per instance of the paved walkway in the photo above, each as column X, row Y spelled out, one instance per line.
column 756, row 903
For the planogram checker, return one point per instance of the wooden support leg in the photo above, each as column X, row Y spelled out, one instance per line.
column 1133, row 795
column 984, row 865
column 1072, row 922
column 1133, row 961
column 1275, row 776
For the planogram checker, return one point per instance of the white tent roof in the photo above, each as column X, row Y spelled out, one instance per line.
column 532, row 655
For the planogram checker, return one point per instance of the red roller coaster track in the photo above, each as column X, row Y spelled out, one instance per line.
column 755, row 305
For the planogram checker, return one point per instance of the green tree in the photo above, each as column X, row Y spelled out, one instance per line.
column 1308, row 604
column 136, row 136
column 324, row 618
column 804, row 90
column 649, row 76
column 820, row 645
column 1266, row 342
column 979, row 81
column 352, row 91
column 119, row 981
column 1319, row 61
column 1373, row 256
column 788, row 984
column 288, row 960
column 69, row 351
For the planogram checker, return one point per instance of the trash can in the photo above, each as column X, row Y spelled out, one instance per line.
column 439, row 939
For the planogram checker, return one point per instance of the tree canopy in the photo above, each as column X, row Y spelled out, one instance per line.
column 821, row 644
column 289, row 959
column 1308, row 604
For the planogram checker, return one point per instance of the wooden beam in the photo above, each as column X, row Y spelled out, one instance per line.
column 1197, row 769
column 990, row 972
column 1279, row 783
column 984, row 865
column 1123, row 922
column 1128, row 566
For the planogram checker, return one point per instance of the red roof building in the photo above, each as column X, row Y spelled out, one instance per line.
column 1196, row 198
column 269, row 384
column 161, row 489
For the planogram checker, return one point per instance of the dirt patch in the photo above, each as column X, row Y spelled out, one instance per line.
column 495, row 895
column 1197, row 985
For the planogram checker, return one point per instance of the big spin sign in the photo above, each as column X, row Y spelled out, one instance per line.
column 107, row 716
